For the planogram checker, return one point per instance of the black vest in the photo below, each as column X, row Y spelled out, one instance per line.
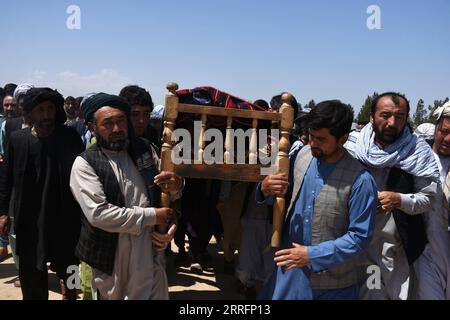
column 411, row 228
column 97, row 247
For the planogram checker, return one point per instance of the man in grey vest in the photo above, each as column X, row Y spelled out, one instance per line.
column 117, row 184
column 331, row 204
column 407, row 178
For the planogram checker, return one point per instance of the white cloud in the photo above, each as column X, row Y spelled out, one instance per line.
column 75, row 84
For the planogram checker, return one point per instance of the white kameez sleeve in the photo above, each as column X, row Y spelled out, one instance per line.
column 421, row 201
column 88, row 191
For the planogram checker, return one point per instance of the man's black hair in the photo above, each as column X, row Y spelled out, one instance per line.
column 9, row 89
column 333, row 115
column 262, row 103
column 78, row 100
column 276, row 103
column 137, row 95
column 263, row 124
column 70, row 99
column 395, row 97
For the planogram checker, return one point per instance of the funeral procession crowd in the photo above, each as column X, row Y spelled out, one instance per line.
column 366, row 213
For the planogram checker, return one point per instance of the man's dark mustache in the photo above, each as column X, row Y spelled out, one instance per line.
column 389, row 131
column 117, row 135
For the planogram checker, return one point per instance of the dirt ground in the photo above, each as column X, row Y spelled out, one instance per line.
column 212, row 284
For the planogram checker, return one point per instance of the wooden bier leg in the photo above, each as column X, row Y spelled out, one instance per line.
column 171, row 114
column 287, row 120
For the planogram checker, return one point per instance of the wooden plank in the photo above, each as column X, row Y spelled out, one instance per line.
column 224, row 112
column 228, row 172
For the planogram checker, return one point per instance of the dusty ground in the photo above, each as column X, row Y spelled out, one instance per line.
column 212, row 284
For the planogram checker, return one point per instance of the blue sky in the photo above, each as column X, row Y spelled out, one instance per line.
column 318, row 49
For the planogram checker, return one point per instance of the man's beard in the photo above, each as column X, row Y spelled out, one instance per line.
column 71, row 114
column 118, row 145
column 322, row 156
column 317, row 153
column 387, row 135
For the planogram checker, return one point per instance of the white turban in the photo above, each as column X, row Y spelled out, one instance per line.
column 21, row 90
column 426, row 131
column 443, row 111
column 157, row 112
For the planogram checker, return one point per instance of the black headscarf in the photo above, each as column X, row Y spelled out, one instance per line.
column 36, row 96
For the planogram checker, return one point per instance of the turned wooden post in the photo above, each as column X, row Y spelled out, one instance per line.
column 287, row 120
column 253, row 147
column 228, row 142
column 170, row 117
column 201, row 140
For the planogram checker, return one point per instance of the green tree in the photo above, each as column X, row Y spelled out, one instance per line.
column 300, row 109
column 364, row 113
column 311, row 104
column 351, row 108
column 420, row 116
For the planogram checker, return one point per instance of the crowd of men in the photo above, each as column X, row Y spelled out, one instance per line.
column 366, row 217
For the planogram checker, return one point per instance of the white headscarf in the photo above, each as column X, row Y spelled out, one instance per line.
column 409, row 153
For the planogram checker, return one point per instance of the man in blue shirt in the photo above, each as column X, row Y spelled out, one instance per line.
column 331, row 204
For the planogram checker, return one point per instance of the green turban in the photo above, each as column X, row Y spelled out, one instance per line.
column 99, row 100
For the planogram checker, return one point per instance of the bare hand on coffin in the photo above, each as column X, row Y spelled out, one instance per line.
column 160, row 240
column 169, row 181
column 164, row 216
column 275, row 185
